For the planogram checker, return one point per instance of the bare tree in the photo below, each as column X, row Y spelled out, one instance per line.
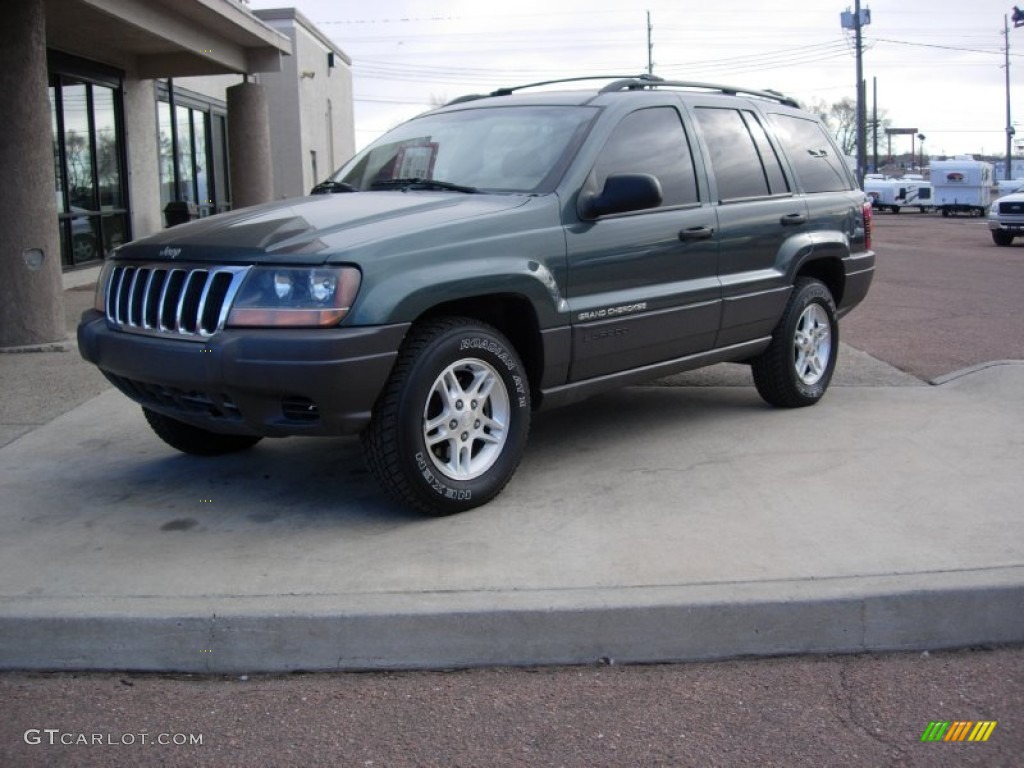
column 841, row 119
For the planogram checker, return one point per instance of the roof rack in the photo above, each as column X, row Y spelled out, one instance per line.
column 641, row 82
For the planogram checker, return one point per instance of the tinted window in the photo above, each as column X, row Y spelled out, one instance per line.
column 816, row 162
column 651, row 141
column 744, row 163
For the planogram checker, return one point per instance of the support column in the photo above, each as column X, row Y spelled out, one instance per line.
column 31, row 292
column 252, row 175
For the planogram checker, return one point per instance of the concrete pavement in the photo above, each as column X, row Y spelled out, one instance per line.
column 654, row 524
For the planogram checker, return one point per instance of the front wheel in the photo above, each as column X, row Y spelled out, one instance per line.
column 797, row 367
column 449, row 430
column 1002, row 237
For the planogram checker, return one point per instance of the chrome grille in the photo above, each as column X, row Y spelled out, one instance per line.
column 180, row 301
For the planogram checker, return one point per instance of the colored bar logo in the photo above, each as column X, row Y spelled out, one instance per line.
column 958, row 730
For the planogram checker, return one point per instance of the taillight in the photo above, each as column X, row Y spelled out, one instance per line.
column 866, row 210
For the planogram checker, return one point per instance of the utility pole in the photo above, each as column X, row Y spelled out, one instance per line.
column 1009, row 120
column 874, row 123
column 861, row 111
column 650, row 46
column 856, row 22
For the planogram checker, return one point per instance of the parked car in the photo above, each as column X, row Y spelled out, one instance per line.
column 500, row 254
column 1006, row 218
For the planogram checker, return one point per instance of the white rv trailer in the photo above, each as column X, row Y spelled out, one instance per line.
column 962, row 185
column 888, row 194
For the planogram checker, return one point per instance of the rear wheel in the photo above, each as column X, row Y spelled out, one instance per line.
column 449, row 430
column 1002, row 237
column 196, row 441
column 797, row 367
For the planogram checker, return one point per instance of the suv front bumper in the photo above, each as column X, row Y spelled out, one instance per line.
column 269, row 382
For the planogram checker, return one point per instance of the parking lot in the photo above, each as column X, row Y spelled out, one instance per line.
column 944, row 296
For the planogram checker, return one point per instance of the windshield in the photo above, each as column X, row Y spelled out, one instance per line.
column 499, row 149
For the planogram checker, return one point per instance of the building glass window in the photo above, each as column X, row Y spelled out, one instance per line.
column 88, row 159
column 165, row 140
column 192, row 149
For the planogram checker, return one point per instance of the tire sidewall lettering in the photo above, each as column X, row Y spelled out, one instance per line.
column 437, row 485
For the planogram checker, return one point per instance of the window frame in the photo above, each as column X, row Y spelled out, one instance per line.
column 64, row 70
column 215, row 149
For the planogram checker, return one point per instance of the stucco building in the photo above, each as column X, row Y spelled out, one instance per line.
column 120, row 107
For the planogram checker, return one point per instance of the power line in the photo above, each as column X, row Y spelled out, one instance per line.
column 943, row 47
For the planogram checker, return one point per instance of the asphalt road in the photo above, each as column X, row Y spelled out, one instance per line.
column 944, row 298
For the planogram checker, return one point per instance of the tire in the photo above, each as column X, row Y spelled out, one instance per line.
column 1002, row 237
column 797, row 367
column 430, row 443
column 196, row 441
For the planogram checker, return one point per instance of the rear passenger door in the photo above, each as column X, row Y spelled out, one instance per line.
column 643, row 286
column 761, row 221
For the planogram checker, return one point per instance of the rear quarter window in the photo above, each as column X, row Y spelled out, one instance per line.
column 816, row 162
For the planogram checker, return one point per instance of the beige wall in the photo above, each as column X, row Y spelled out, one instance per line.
column 299, row 96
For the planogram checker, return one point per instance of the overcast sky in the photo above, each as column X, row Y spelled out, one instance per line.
column 938, row 63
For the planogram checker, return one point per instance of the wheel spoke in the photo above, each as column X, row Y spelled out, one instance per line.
column 482, row 385
column 451, row 389
column 432, row 425
column 491, row 428
column 462, row 459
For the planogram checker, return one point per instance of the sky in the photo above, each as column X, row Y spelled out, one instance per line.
column 939, row 65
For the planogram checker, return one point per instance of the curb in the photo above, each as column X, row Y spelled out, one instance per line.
column 459, row 630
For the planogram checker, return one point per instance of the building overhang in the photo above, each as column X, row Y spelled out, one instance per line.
column 166, row 38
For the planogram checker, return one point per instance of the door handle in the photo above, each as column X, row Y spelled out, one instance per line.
column 793, row 219
column 696, row 233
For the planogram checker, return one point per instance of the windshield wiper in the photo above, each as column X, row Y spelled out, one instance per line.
column 326, row 187
column 419, row 183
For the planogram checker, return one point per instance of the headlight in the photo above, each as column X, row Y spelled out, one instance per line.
column 294, row 297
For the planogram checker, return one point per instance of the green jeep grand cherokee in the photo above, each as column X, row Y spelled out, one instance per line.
column 497, row 255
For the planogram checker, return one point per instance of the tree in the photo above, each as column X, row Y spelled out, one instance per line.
column 841, row 120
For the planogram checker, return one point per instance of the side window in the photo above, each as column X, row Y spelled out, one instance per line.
column 743, row 160
column 816, row 161
column 651, row 141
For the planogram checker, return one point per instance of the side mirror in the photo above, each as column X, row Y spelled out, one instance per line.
column 622, row 193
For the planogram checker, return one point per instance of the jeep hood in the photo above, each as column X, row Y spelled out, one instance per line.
column 310, row 230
